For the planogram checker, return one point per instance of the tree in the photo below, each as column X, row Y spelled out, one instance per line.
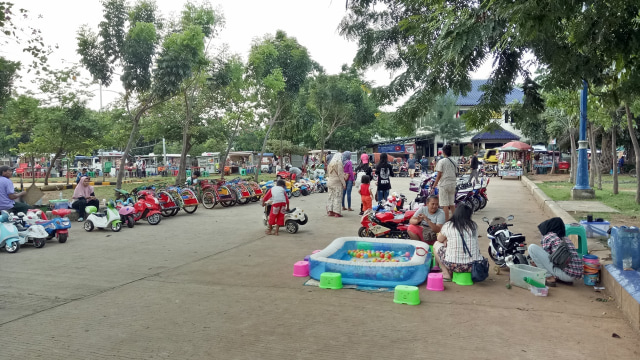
column 129, row 37
column 441, row 119
column 279, row 66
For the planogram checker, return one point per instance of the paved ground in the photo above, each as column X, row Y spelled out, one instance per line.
column 213, row 286
column 585, row 206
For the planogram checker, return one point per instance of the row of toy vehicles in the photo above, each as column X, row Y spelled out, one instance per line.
column 32, row 228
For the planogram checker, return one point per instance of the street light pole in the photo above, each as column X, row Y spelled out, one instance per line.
column 582, row 190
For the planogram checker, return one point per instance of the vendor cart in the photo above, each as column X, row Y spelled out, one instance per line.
column 513, row 158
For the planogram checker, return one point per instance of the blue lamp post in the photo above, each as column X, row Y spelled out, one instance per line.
column 582, row 189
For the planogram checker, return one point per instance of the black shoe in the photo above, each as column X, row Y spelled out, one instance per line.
column 361, row 213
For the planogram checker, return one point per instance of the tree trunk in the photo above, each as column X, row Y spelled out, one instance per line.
column 636, row 147
column 614, row 129
column 574, row 156
column 595, row 160
column 592, row 167
column 186, row 139
column 605, row 154
column 132, row 136
column 46, row 176
column 264, row 146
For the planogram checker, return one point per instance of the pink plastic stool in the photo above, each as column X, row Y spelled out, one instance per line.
column 435, row 282
column 301, row 269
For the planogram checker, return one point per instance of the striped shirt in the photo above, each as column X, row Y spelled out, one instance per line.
column 574, row 268
column 455, row 250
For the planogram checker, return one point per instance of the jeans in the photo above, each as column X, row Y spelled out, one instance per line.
column 541, row 258
column 474, row 174
column 347, row 193
column 383, row 195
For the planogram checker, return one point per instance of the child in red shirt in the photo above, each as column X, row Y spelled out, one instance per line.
column 365, row 193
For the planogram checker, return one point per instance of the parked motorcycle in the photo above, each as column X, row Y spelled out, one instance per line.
column 9, row 237
column 35, row 234
column 503, row 244
column 292, row 218
column 109, row 219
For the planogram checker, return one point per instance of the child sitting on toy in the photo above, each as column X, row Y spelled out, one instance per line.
column 365, row 193
column 278, row 194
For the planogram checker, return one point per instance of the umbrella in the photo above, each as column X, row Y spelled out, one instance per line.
column 515, row 146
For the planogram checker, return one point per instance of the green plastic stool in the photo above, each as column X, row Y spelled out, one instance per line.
column 577, row 229
column 433, row 256
column 462, row 278
column 405, row 294
column 188, row 172
column 243, row 172
column 331, row 280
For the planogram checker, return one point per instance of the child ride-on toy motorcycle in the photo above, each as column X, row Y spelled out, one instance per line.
column 292, row 218
column 110, row 218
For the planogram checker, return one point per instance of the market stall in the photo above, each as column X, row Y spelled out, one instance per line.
column 543, row 161
column 513, row 159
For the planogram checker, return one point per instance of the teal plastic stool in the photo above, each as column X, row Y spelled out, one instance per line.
column 577, row 229
column 405, row 294
column 188, row 172
column 462, row 278
column 330, row 280
column 243, row 172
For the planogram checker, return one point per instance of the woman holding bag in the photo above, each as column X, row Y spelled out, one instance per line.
column 457, row 246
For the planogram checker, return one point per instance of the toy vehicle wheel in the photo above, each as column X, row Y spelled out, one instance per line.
column 320, row 188
column 88, row 225
column 39, row 243
column 302, row 222
column 62, row 238
column 296, row 193
column 208, row 200
column 130, row 221
column 116, row 226
column 167, row 212
column 363, row 232
column 13, row 248
column 51, row 235
column 289, row 194
column 291, row 226
column 154, row 219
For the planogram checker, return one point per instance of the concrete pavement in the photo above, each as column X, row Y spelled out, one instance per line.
column 212, row 286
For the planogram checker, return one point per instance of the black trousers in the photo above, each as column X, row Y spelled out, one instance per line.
column 81, row 204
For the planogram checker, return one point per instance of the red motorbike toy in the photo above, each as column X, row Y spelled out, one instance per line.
column 382, row 223
column 147, row 207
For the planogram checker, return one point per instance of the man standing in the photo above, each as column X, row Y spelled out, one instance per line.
column 473, row 164
column 139, row 167
column 411, row 164
column 8, row 194
column 447, row 173
column 424, row 164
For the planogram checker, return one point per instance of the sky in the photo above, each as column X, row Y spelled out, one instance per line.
column 313, row 23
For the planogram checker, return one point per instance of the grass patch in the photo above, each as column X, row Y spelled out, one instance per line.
column 624, row 201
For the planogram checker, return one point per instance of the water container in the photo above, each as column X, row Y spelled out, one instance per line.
column 625, row 247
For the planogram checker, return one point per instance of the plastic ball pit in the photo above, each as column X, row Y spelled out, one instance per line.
column 336, row 258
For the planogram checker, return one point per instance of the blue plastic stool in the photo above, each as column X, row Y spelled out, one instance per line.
column 577, row 229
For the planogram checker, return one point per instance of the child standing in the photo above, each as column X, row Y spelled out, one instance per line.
column 365, row 193
column 280, row 201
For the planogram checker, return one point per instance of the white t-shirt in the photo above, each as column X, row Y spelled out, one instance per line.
column 447, row 167
column 438, row 218
column 278, row 194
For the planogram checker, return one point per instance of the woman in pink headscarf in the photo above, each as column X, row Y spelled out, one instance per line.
column 83, row 196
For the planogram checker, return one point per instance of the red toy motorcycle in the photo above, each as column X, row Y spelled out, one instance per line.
column 381, row 223
column 147, row 207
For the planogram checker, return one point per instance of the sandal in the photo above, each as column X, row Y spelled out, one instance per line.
column 337, row 215
column 550, row 283
column 350, row 209
column 446, row 279
column 569, row 283
column 344, row 208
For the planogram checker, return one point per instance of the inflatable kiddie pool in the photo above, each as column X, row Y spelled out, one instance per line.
column 411, row 265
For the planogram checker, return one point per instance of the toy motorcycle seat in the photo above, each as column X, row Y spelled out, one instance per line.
column 61, row 212
column 100, row 214
column 290, row 211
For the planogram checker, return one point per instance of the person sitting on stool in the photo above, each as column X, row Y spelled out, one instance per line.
column 8, row 194
column 83, row 196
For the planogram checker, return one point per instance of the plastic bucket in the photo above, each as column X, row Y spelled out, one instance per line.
column 591, row 272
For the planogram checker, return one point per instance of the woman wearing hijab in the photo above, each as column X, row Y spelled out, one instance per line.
column 553, row 235
column 83, row 196
column 349, row 178
column 336, row 185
